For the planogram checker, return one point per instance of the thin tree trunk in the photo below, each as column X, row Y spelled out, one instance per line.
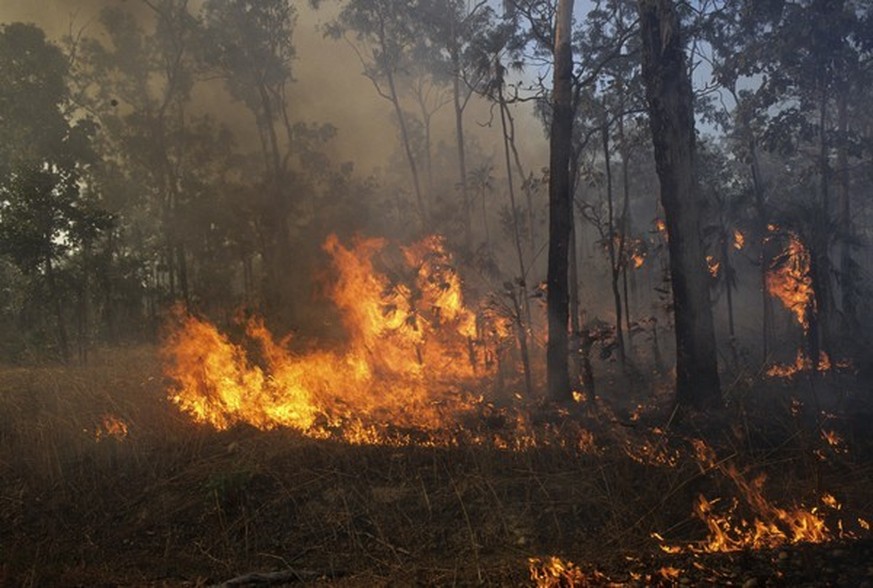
column 847, row 271
column 524, row 310
column 671, row 115
column 560, row 206
column 407, row 146
column 763, row 229
column 462, row 157
column 611, row 234
column 625, row 219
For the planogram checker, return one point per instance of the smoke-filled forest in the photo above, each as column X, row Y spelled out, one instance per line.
column 436, row 292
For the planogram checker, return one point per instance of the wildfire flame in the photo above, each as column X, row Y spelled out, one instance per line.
column 739, row 239
column 553, row 572
column 713, row 265
column 801, row 364
column 789, row 279
column 771, row 526
column 411, row 348
column 111, row 426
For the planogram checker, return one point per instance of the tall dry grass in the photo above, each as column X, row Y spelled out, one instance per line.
column 172, row 503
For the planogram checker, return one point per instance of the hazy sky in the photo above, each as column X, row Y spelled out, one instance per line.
column 330, row 86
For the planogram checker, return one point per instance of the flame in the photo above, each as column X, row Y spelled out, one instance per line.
column 771, row 526
column 788, row 279
column 411, row 346
column 713, row 265
column 638, row 259
column 835, row 441
column 739, row 239
column 670, row 573
column 801, row 364
column 553, row 572
column 111, row 426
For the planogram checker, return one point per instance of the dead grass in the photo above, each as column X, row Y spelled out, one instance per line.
column 176, row 504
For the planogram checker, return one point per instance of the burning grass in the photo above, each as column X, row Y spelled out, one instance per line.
column 384, row 460
column 164, row 500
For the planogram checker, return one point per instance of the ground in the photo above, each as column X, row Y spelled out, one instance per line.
column 104, row 482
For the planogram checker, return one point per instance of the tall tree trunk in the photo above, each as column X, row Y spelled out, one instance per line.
column 844, row 212
column 523, row 310
column 575, row 326
column 462, row 156
column 820, row 264
column 763, row 229
column 671, row 115
column 625, row 219
column 611, row 235
column 407, row 146
column 560, row 206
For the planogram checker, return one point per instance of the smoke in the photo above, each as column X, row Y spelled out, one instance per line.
column 329, row 86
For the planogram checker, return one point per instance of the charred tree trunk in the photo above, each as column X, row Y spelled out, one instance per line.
column 763, row 229
column 611, row 236
column 820, row 248
column 844, row 212
column 671, row 115
column 560, row 207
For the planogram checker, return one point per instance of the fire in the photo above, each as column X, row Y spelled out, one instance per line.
column 739, row 239
column 801, row 364
column 553, row 572
column 771, row 526
column 412, row 346
column 111, row 426
column 789, row 279
column 670, row 573
column 713, row 265
column 835, row 441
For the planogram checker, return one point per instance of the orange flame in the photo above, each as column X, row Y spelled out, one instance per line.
column 801, row 364
column 771, row 527
column 553, row 572
column 713, row 265
column 111, row 426
column 789, row 279
column 411, row 347
column 739, row 239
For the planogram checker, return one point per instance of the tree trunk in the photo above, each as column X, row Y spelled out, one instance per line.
column 462, row 157
column 611, row 235
column 671, row 115
column 560, row 206
column 848, row 278
column 523, row 311
column 407, row 147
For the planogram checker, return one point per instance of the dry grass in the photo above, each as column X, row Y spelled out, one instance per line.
column 176, row 504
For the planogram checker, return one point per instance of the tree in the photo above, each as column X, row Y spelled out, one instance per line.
column 560, row 207
column 383, row 36
column 43, row 215
column 671, row 116
column 453, row 29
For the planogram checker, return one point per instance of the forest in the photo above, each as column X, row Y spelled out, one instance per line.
column 436, row 292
